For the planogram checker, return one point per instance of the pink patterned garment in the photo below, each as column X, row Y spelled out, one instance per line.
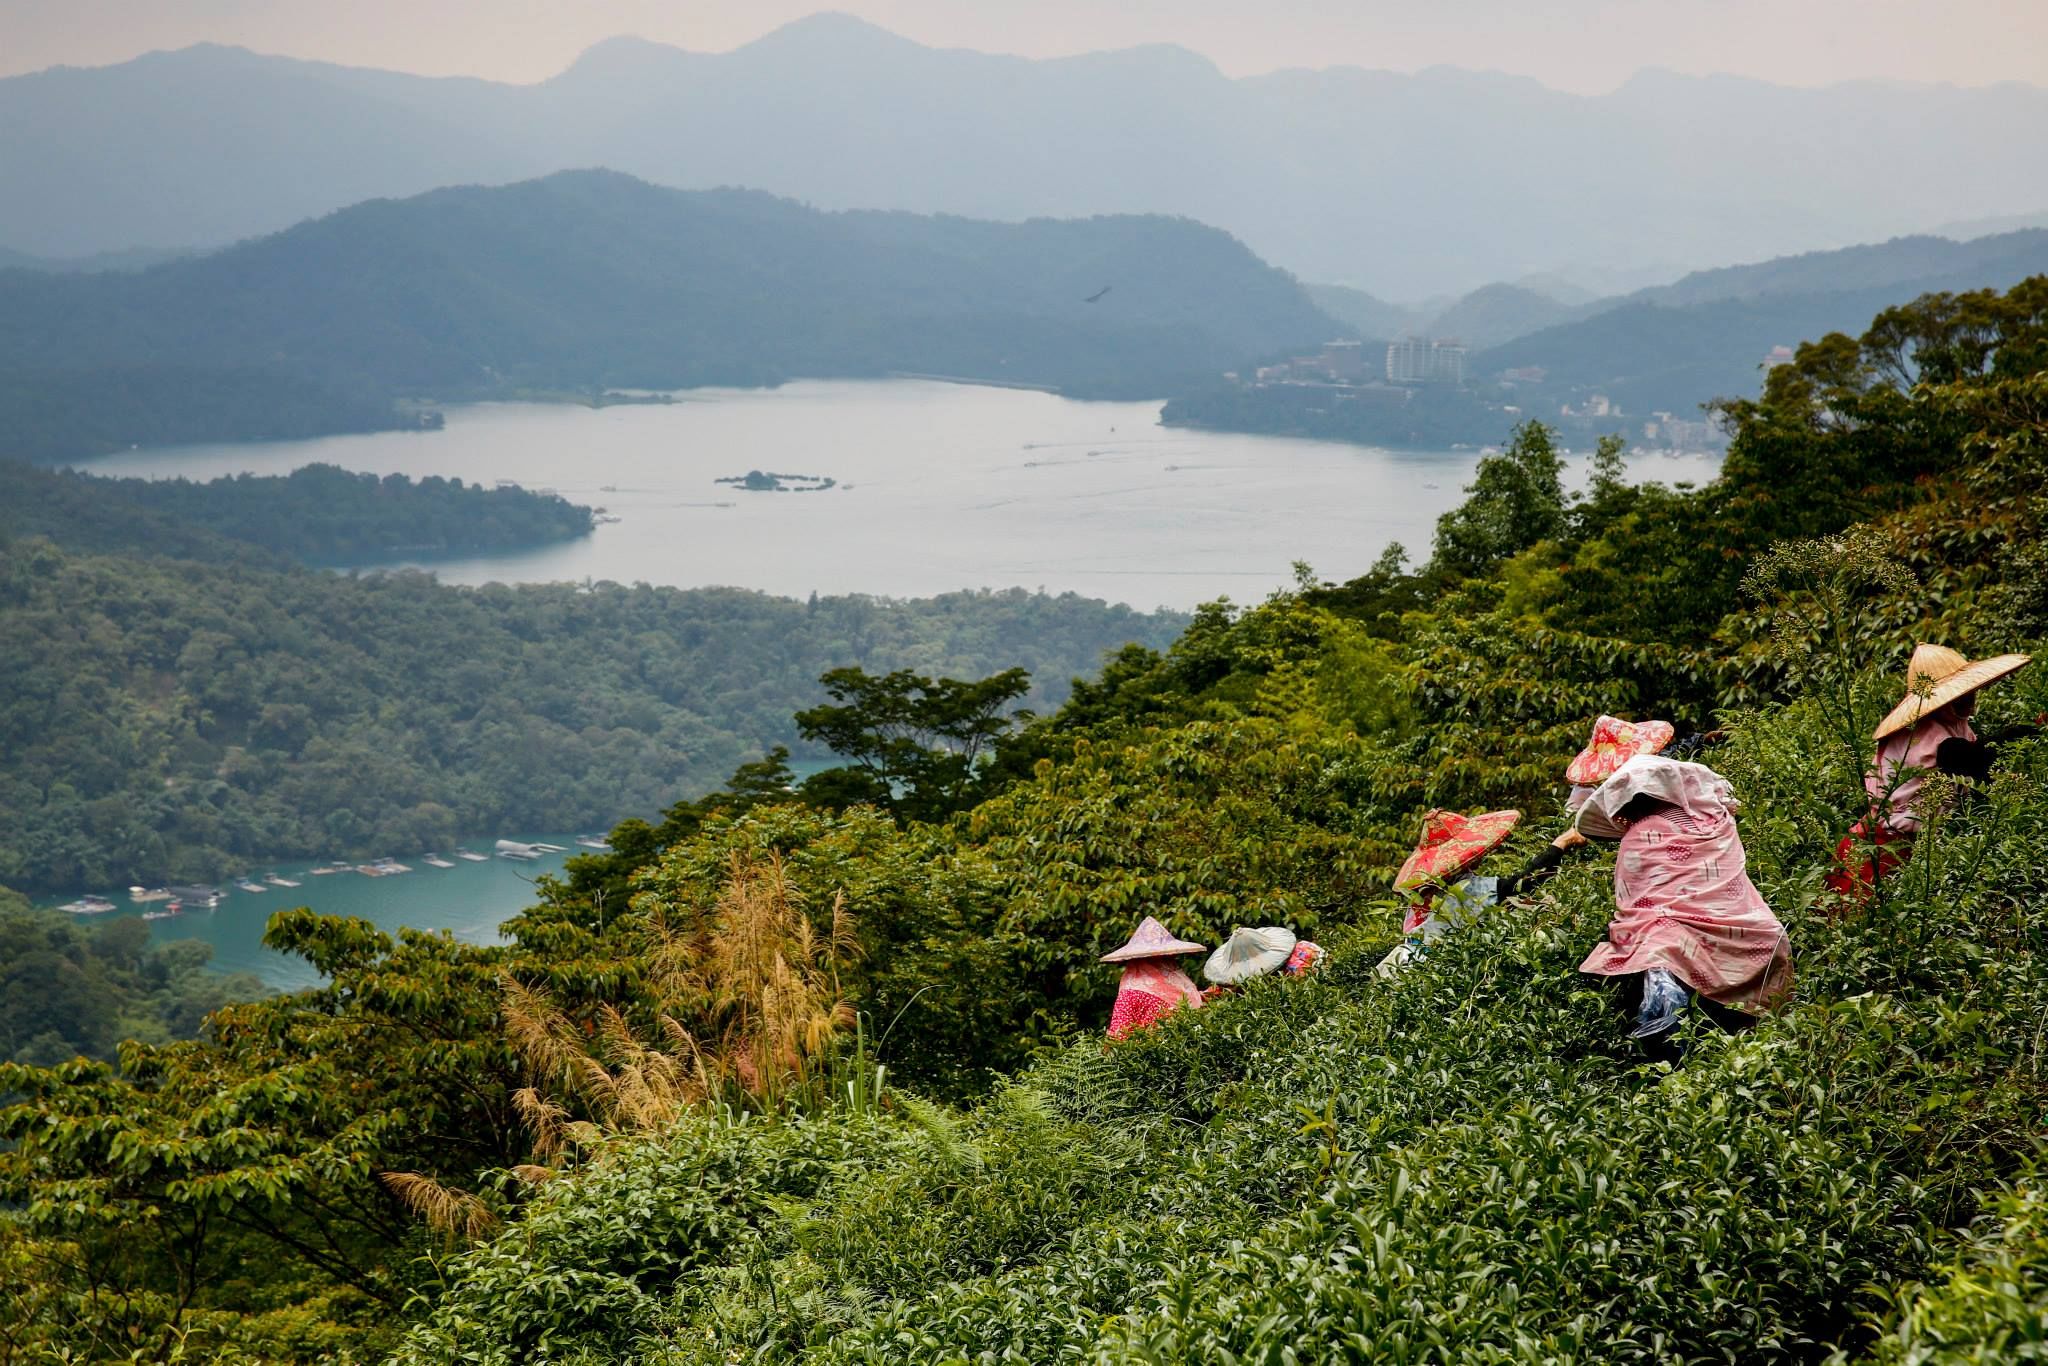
column 1151, row 989
column 1683, row 900
column 1912, row 748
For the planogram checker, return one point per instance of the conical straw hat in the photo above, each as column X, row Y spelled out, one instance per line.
column 1451, row 843
column 1248, row 954
column 1152, row 940
column 1942, row 676
column 1614, row 743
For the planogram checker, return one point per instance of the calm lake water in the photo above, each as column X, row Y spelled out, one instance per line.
column 941, row 487
column 469, row 900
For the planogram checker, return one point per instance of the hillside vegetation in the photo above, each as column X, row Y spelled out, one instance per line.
column 828, row 1085
column 67, row 991
column 182, row 718
column 317, row 514
column 592, row 280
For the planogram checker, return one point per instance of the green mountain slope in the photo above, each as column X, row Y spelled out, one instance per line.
column 592, row 279
column 317, row 514
column 1648, row 357
column 1370, row 318
column 171, row 719
column 1498, row 313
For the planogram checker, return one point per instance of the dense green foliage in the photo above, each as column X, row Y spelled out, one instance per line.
column 590, row 280
column 176, row 719
column 69, row 989
column 1466, row 1162
column 319, row 514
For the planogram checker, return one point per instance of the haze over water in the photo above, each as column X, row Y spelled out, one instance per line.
column 942, row 487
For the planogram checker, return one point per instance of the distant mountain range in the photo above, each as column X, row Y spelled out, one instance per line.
column 1495, row 315
column 1669, row 348
column 1677, row 346
column 1405, row 185
column 590, row 280
column 132, row 258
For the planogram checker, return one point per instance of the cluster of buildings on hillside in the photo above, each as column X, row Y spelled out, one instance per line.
column 1678, row 434
column 1409, row 361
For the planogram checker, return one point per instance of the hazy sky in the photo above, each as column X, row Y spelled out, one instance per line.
column 1585, row 45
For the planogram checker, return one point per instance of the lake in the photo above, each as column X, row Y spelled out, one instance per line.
column 470, row 900
column 940, row 487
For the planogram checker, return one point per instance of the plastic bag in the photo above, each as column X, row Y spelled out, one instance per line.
column 1664, row 998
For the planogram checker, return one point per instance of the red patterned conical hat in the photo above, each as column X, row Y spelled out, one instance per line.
column 1451, row 843
column 1614, row 743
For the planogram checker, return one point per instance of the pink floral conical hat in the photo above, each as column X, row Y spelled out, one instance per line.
column 1153, row 940
column 1614, row 743
column 1451, row 843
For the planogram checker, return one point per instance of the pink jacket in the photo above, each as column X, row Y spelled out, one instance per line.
column 1683, row 899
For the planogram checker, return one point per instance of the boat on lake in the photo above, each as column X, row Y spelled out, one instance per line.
column 207, row 898
column 597, row 842
column 277, row 880
column 165, row 912
column 250, row 885
column 383, row 867
column 435, row 861
column 471, row 856
column 88, row 905
column 336, row 867
column 144, row 895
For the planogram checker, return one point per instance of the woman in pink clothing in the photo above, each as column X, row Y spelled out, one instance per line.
column 1928, row 732
column 1153, row 985
column 1687, row 919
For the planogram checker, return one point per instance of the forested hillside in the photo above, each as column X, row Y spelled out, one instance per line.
column 67, row 991
column 173, row 718
column 589, row 280
column 727, row 1094
column 317, row 514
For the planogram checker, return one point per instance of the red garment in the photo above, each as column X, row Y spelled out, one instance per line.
column 1864, row 856
column 1151, row 989
column 1683, row 899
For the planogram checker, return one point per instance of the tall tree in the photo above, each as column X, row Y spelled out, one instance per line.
column 916, row 742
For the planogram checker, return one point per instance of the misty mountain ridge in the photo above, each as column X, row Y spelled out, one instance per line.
column 589, row 280
column 1390, row 181
column 1494, row 315
column 1707, row 336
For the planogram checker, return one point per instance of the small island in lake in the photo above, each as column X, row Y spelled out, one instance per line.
column 767, row 481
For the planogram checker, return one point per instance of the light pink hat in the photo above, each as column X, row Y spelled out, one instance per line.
column 1153, row 940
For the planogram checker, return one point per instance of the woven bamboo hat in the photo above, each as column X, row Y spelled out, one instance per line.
column 1451, row 843
column 1152, row 940
column 1942, row 676
column 1614, row 743
column 1248, row 954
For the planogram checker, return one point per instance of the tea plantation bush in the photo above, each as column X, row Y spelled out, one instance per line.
column 1466, row 1163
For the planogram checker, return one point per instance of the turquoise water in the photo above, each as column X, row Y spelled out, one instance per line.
column 469, row 900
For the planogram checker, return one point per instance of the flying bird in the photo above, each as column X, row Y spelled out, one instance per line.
column 1096, row 295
